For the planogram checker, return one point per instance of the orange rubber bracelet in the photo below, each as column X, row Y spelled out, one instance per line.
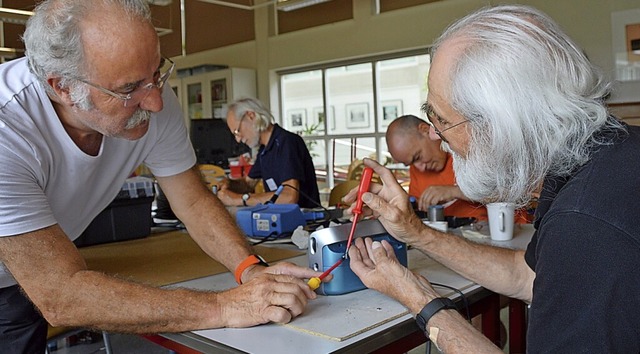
column 249, row 261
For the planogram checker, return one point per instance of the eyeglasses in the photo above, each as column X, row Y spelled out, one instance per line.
column 237, row 131
column 431, row 114
column 141, row 92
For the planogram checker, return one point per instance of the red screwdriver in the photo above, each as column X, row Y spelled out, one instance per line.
column 357, row 211
column 314, row 282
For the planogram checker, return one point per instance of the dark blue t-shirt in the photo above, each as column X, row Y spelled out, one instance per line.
column 586, row 256
column 286, row 157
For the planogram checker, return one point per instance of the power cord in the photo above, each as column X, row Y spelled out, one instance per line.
column 465, row 302
column 273, row 237
column 305, row 195
column 330, row 216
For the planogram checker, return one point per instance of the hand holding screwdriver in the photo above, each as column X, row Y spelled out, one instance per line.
column 365, row 181
column 357, row 210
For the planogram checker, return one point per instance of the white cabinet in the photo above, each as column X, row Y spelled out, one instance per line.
column 207, row 95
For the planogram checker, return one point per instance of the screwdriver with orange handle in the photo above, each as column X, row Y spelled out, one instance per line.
column 365, row 181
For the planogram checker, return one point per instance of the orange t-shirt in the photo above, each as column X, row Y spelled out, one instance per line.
column 461, row 208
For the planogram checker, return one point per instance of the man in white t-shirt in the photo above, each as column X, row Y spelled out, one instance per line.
column 76, row 118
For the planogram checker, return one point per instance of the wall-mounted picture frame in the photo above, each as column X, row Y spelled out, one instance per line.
column 318, row 117
column 625, row 41
column 357, row 115
column 391, row 110
column 218, row 91
column 297, row 118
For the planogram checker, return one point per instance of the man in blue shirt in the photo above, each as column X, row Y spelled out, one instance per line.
column 282, row 160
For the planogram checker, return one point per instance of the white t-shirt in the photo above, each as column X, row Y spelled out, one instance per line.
column 46, row 179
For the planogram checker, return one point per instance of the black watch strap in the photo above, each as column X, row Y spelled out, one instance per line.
column 432, row 308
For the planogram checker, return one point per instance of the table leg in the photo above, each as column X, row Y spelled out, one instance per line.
column 489, row 308
column 403, row 345
column 517, row 326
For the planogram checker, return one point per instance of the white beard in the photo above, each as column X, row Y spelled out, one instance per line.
column 482, row 178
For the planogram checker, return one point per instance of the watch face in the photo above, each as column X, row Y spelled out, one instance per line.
column 245, row 196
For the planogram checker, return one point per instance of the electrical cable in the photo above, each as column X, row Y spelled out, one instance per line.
column 273, row 237
column 305, row 195
column 465, row 302
column 329, row 218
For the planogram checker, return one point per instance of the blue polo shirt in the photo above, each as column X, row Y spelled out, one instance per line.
column 286, row 157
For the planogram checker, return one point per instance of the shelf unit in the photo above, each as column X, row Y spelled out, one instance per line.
column 207, row 95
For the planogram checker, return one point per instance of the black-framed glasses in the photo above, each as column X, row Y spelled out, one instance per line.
column 141, row 92
column 431, row 114
column 237, row 131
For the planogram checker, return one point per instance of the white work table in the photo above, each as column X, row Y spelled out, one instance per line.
column 375, row 320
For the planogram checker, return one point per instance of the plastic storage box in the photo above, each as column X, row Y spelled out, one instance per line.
column 127, row 217
column 136, row 187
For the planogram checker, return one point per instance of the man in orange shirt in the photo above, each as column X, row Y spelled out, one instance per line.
column 430, row 168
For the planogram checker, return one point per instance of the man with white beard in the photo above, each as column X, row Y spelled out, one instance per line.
column 522, row 110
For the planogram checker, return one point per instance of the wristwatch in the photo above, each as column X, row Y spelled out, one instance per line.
column 249, row 261
column 245, row 197
column 435, row 305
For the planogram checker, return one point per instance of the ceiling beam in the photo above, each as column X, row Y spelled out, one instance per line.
column 240, row 6
column 10, row 53
column 14, row 15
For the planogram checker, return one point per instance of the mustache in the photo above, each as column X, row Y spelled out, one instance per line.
column 140, row 116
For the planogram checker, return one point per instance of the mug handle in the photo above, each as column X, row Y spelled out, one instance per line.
column 501, row 218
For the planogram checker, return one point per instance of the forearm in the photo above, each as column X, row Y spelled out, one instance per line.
column 206, row 218
column 459, row 195
column 122, row 306
column 498, row 269
column 447, row 328
column 288, row 194
column 451, row 333
column 215, row 231
column 376, row 265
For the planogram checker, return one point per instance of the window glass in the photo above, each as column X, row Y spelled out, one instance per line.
column 343, row 111
column 402, row 87
column 350, row 96
column 302, row 103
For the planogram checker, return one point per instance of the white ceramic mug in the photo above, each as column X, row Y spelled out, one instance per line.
column 501, row 219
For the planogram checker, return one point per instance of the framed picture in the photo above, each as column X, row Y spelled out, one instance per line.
column 297, row 118
column 625, row 31
column 357, row 115
column 390, row 110
column 218, row 90
column 319, row 118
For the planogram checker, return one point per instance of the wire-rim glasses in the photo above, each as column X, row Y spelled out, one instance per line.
column 431, row 114
column 237, row 131
column 141, row 92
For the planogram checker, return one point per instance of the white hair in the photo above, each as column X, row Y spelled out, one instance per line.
column 53, row 39
column 534, row 102
column 264, row 118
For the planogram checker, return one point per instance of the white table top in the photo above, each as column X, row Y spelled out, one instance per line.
column 330, row 311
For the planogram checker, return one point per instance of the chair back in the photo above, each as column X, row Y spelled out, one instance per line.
column 211, row 174
column 356, row 168
column 340, row 190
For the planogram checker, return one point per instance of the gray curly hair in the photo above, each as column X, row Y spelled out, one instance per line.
column 53, row 39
